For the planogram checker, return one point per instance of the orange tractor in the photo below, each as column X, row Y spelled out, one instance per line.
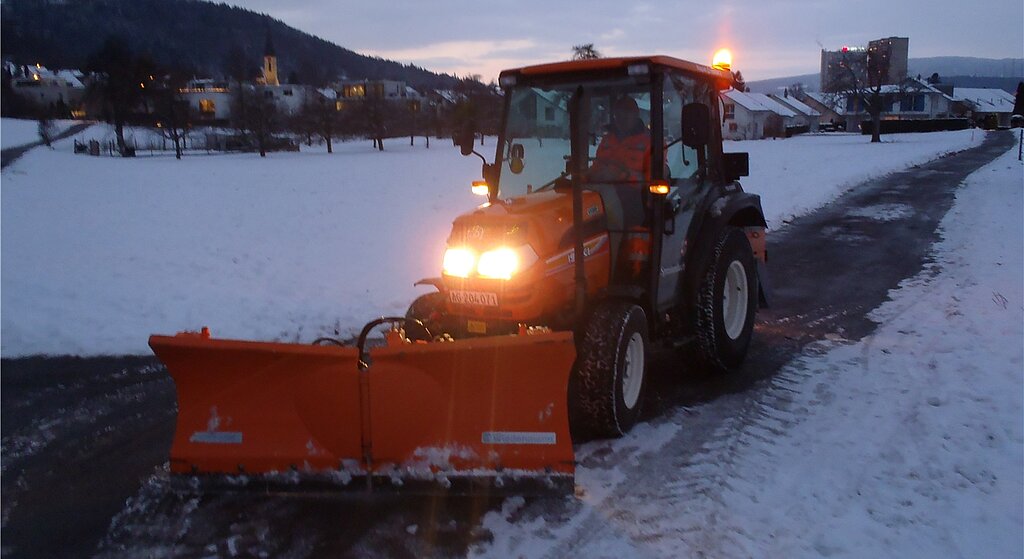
column 614, row 224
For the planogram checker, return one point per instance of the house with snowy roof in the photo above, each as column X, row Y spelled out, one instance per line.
column 806, row 116
column 60, row 91
column 753, row 116
column 911, row 99
column 830, row 106
column 980, row 104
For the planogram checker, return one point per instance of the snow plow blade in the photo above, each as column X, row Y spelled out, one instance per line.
column 434, row 412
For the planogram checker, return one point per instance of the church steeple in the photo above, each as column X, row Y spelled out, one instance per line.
column 270, row 62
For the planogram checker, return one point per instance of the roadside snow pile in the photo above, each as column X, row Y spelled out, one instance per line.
column 803, row 173
column 16, row 132
column 908, row 443
column 99, row 252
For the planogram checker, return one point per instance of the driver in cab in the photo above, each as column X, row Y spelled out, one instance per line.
column 624, row 154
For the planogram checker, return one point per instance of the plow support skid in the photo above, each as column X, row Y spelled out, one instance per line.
column 474, row 407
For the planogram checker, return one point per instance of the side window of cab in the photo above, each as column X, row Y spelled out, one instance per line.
column 678, row 90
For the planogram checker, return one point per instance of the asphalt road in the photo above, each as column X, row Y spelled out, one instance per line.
column 85, row 440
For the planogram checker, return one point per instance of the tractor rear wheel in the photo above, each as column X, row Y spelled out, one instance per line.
column 607, row 389
column 727, row 303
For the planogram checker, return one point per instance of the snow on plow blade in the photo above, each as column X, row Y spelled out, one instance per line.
column 471, row 408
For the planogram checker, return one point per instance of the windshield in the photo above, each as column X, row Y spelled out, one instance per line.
column 536, row 148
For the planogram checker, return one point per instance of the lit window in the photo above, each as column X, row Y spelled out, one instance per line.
column 357, row 90
column 207, row 106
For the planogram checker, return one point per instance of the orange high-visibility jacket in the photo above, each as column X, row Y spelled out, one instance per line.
column 623, row 159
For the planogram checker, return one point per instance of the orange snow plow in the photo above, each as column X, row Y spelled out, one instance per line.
column 481, row 407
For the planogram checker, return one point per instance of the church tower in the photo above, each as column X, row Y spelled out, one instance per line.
column 270, row 63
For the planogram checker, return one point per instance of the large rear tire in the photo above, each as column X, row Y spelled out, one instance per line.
column 727, row 303
column 608, row 385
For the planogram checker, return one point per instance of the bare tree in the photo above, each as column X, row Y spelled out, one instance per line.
column 46, row 129
column 257, row 115
column 584, row 52
column 172, row 112
column 319, row 116
column 376, row 116
column 121, row 87
column 864, row 89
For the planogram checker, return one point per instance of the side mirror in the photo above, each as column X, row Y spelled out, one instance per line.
column 695, row 122
column 515, row 158
column 735, row 165
column 466, row 140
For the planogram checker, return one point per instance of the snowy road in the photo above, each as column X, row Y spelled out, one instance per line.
column 675, row 486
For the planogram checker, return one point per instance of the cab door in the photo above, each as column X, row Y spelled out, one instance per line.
column 688, row 181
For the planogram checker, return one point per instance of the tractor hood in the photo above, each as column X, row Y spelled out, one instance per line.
column 543, row 220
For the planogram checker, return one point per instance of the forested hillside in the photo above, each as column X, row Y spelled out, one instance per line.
column 199, row 37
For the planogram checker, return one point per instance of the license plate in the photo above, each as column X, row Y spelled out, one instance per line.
column 476, row 326
column 473, row 298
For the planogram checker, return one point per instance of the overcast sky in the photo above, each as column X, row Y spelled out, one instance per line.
column 769, row 38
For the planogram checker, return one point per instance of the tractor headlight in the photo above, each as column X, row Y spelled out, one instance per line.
column 459, row 262
column 498, row 264
column 505, row 262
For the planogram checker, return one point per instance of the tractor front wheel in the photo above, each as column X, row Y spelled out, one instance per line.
column 607, row 390
column 427, row 309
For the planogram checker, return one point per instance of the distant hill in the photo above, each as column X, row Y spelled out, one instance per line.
column 776, row 85
column 961, row 71
column 188, row 34
column 967, row 66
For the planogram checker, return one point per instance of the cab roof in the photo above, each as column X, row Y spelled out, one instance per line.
column 722, row 78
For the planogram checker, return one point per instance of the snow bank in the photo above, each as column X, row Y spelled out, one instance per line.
column 908, row 443
column 99, row 252
column 913, row 443
column 800, row 174
column 16, row 132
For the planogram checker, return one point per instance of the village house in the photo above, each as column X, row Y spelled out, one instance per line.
column 60, row 91
column 830, row 107
column 806, row 116
column 393, row 91
column 912, row 99
column 983, row 105
column 210, row 99
column 753, row 116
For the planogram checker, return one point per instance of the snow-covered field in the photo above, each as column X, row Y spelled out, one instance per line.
column 908, row 443
column 16, row 132
column 97, row 253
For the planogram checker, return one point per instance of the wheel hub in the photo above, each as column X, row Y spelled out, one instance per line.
column 734, row 299
column 633, row 374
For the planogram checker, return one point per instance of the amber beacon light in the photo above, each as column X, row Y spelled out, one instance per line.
column 722, row 60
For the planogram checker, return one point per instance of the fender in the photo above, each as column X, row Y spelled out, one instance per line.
column 739, row 209
column 436, row 282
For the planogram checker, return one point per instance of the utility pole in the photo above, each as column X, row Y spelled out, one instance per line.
column 1018, row 121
